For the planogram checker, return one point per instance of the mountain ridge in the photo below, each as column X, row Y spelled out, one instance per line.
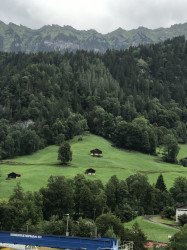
column 15, row 38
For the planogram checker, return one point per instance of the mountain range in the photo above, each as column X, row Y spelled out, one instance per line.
column 14, row 38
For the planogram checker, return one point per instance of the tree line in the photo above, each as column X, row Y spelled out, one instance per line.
column 90, row 204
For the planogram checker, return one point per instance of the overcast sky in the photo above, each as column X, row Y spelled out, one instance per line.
column 101, row 15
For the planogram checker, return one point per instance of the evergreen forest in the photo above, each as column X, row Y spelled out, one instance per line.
column 137, row 98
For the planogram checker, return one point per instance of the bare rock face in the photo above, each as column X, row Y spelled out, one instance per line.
column 14, row 38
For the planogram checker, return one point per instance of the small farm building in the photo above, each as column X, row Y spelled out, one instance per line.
column 180, row 211
column 184, row 162
column 90, row 171
column 96, row 152
column 14, row 175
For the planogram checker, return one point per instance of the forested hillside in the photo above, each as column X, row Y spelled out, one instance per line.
column 137, row 98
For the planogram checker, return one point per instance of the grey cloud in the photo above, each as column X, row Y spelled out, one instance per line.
column 152, row 14
column 18, row 12
column 102, row 15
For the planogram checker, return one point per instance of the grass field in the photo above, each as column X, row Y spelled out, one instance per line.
column 39, row 166
column 154, row 232
column 166, row 221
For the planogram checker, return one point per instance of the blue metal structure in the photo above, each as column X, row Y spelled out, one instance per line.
column 58, row 241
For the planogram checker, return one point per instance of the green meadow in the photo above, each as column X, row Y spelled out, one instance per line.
column 153, row 232
column 166, row 221
column 35, row 169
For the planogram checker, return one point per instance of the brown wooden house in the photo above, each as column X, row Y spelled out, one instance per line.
column 96, row 152
column 90, row 171
column 184, row 162
column 13, row 175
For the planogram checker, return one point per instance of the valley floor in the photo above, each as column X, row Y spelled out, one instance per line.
column 36, row 169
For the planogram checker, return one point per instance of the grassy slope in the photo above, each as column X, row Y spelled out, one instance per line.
column 166, row 221
column 114, row 161
column 153, row 231
column 182, row 151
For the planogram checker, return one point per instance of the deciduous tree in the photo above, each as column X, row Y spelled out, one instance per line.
column 65, row 153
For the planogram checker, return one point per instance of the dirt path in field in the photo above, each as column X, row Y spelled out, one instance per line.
column 31, row 164
column 60, row 165
column 150, row 218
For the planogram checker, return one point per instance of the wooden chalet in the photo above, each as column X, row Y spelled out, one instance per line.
column 180, row 211
column 184, row 162
column 14, row 175
column 90, row 171
column 96, row 152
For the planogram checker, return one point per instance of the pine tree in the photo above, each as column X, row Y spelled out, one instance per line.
column 160, row 183
column 139, row 237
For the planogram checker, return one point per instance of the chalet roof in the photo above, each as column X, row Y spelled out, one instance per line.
column 13, row 173
column 90, row 170
column 183, row 206
column 96, row 150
